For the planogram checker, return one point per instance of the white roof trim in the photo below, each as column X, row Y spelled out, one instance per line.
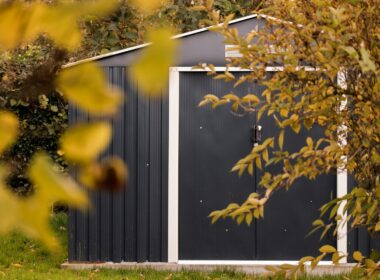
column 147, row 44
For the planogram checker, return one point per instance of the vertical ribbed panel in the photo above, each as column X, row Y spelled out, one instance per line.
column 155, row 175
column 164, row 176
column 118, row 148
column 142, row 179
column 81, row 246
column 130, row 197
column 72, row 223
column 210, row 143
column 127, row 226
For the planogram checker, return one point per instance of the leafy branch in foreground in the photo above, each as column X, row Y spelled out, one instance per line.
column 85, row 86
column 319, row 64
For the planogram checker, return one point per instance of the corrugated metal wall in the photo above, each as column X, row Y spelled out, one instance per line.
column 132, row 225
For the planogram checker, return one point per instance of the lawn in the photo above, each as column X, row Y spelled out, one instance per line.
column 21, row 258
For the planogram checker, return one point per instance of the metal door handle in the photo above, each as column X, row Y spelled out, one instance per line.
column 256, row 134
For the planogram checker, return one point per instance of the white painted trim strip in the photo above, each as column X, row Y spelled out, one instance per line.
column 342, row 181
column 232, row 262
column 236, row 69
column 173, row 187
column 94, row 58
column 173, row 166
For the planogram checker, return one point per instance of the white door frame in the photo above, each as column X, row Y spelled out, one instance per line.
column 173, row 176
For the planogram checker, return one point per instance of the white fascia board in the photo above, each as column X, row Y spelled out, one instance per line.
column 244, row 262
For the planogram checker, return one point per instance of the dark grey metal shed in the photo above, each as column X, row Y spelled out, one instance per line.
column 179, row 157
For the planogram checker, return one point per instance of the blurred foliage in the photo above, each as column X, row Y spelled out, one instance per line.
column 36, row 39
column 128, row 26
column 327, row 55
column 153, row 65
column 27, row 72
column 27, row 89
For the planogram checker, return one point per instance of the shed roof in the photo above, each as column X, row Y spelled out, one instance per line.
column 183, row 35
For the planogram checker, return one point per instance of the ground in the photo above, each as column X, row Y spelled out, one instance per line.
column 21, row 258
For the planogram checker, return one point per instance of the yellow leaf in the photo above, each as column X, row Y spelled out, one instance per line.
column 11, row 21
column 284, row 112
column 309, row 142
column 148, row 6
column 22, row 22
column 8, row 129
column 265, row 155
column 296, row 127
column 251, row 98
column 9, row 206
column 53, row 185
column 231, row 96
column 28, row 215
column 370, row 264
column 110, row 175
column 33, row 220
column 198, row 8
column 327, row 249
column 357, row 256
column 86, row 86
column 65, row 31
column 250, row 168
column 204, row 102
column 281, row 139
column 84, row 142
column 258, row 163
column 377, row 227
column 210, row 3
column 99, row 7
column 249, row 218
column 152, row 69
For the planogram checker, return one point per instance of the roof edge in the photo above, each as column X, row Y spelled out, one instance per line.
column 182, row 35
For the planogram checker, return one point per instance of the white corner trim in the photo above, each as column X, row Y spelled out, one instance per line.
column 173, row 175
column 342, row 179
column 173, row 166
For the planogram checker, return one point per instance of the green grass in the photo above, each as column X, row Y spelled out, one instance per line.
column 21, row 258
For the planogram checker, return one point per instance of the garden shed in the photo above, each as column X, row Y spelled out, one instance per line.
column 179, row 157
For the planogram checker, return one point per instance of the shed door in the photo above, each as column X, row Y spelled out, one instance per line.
column 210, row 143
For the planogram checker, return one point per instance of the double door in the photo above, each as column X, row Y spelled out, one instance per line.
column 210, row 143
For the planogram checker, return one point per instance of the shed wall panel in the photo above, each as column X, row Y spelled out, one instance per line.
column 127, row 226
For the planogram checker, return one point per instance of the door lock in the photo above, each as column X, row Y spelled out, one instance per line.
column 256, row 134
